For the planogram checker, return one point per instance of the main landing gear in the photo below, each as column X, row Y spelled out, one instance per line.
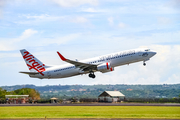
column 91, row 75
column 144, row 64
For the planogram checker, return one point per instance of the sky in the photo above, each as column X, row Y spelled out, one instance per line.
column 81, row 29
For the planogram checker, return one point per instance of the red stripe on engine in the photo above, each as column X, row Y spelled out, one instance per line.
column 107, row 66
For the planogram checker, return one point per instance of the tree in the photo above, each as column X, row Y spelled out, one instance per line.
column 2, row 93
column 28, row 91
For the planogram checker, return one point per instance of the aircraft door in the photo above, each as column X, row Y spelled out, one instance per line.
column 140, row 53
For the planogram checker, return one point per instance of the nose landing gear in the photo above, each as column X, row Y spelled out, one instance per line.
column 91, row 75
column 144, row 64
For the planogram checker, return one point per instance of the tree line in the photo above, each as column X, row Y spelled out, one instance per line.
column 23, row 91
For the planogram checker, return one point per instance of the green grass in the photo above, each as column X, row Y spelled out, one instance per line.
column 90, row 112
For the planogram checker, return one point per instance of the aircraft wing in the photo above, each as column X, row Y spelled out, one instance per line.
column 83, row 66
column 30, row 73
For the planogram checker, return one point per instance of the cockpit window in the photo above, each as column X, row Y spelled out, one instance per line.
column 147, row 50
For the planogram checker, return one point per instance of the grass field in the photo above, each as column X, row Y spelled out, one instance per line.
column 90, row 112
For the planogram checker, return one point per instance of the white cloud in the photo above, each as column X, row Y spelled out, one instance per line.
column 2, row 4
column 163, row 20
column 6, row 55
column 146, row 7
column 174, row 4
column 174, row 78
column 111, row 20
column 74, row 3
column 122, row 25
column 154, row 38
column 79, row 20
column 92, row 10
column 10, row 44
column 58, row 40
column 44, row 17
column 26, row 34
column 170, row 37
column 164, row 62
column 39, row 19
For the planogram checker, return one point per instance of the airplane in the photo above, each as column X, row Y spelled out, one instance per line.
column 104, row 64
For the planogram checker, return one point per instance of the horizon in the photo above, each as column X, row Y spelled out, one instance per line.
column 92, row 85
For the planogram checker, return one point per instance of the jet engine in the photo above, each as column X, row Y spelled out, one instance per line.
column 105, row 67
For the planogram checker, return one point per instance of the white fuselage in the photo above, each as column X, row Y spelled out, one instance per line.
column 115, row 59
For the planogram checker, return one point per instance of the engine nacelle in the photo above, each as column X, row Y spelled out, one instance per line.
column 105, row 67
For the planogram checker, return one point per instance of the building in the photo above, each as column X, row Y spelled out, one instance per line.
column 17, row 99
column 54, row 100
column 111, row 96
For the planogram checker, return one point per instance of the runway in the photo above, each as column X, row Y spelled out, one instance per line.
column 86, row 119
column 96, row 104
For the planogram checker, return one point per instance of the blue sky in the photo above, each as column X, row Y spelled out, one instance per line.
column 81, row 29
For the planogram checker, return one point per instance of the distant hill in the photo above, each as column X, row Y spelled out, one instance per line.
column 92, row 91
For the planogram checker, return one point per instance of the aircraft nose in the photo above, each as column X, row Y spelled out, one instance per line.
column 153, row 53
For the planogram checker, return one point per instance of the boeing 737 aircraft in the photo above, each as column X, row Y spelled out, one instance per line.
column 105, row 63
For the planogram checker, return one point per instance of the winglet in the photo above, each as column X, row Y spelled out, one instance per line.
column 62, row 57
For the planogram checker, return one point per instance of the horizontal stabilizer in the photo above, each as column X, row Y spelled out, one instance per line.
column 30, row 73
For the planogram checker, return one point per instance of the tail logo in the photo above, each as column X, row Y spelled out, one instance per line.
column 33, row 64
